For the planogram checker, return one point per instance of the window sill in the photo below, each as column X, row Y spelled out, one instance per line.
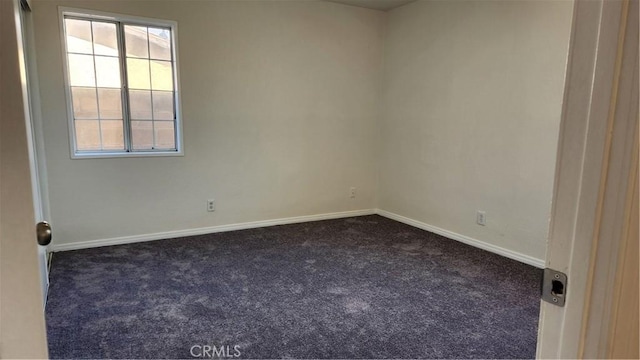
column 133, row 154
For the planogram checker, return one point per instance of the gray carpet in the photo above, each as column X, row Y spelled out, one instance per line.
column 363, row 287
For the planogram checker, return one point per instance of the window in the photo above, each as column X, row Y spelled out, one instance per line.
column 122, row 85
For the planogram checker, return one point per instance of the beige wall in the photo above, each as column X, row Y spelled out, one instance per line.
column 279, row 109
column 287, row 104
column 471, row 111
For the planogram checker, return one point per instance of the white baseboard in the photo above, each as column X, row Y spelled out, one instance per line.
column 206, row 230
column 530, row 260
column 298, row 219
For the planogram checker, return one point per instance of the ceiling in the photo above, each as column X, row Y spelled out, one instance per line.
column 383, row 5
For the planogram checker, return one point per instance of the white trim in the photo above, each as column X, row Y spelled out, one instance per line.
column 530, row 260
column 124, row 154
column 207, row 230
column 34, row 156
column 588, row 177
column 103, row 15
column 539, row 263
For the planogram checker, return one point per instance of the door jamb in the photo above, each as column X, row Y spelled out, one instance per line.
column 33, row 124
column 582, row 170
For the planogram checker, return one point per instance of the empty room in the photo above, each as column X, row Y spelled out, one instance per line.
column 319, row 179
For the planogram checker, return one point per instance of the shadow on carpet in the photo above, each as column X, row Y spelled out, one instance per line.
column 362, row 287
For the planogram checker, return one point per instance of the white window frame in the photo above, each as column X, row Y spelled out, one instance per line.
column 129, row 20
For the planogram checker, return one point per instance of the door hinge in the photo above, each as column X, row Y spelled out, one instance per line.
column 554, row 287
column 49, row 259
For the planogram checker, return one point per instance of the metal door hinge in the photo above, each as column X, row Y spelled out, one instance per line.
column 554, row 287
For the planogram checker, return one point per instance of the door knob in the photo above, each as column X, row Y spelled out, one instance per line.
column 43, row 233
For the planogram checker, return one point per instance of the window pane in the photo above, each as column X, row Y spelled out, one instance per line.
column 164, row 135
column 108, row 71
column 138, row 74
column 104, row 38
column 161, row 75
column 142, row 135
column 87, row 135
column 160, row 43
column 163, row 105
column 140, row 104
column 78, row 36
column 85, row 105
column 100, row 77
column 110, row 103
column 136, row 41
column 81, row 71
column 112, row 135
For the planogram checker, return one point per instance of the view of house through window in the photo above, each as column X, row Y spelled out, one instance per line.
column 121, row 80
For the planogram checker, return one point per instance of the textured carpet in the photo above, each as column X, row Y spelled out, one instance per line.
column 363, row 287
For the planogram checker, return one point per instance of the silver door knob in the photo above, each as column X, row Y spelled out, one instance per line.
column 43, row 233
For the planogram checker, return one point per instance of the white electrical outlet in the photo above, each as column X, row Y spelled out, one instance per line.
column 481, row 218
column 211, row 205
column 352, row 193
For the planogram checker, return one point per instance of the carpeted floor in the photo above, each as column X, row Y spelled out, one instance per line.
column 364, row 287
